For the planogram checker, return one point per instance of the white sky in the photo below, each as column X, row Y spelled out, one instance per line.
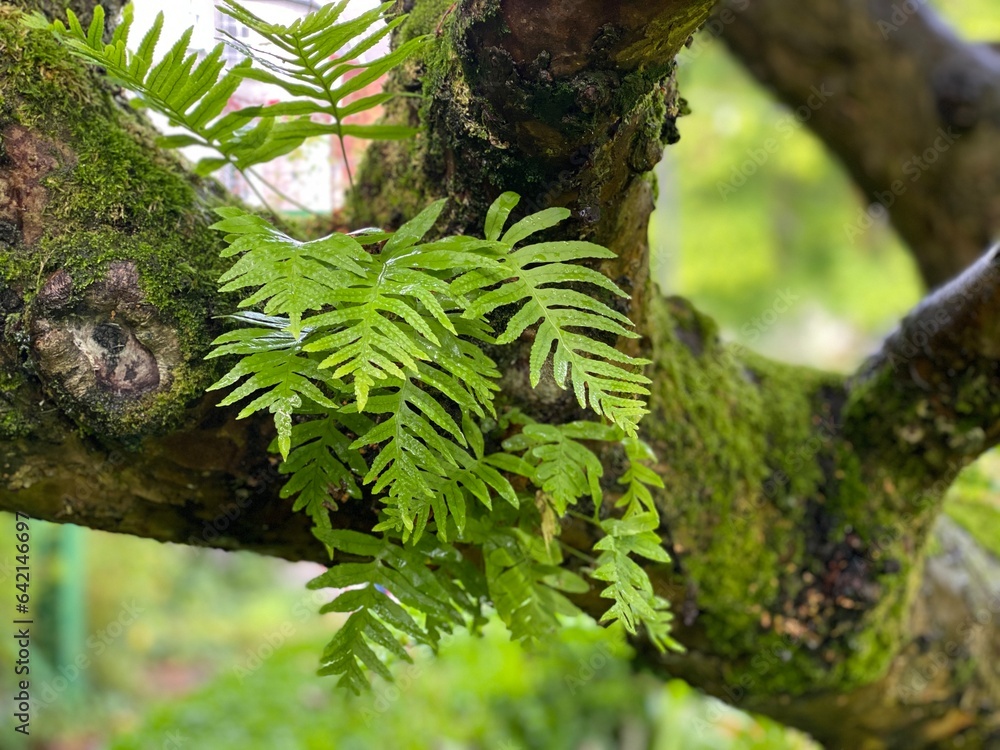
column 178, row 15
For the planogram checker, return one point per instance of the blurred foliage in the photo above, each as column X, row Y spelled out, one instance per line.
column 487, row 693
column 974, row 501
column 738, row 244
column 764, row 211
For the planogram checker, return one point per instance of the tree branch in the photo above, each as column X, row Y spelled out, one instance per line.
column 930, row 394
column 913, row 113
column 791, row 542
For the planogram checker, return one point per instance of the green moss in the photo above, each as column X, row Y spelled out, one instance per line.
column 748, row 448
column 112, row 197
column 14, row 422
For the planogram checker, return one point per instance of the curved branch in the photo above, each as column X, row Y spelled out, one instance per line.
column 784, row 530
column 913, row 113
column 929, row 395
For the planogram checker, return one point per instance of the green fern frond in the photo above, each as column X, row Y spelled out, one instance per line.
column 392, row 316
column 318, row 61
column 539, row 278
column 190, row 93
column 288, row 380
column 194, row 93
column 564, row 468
column 378, row 595
column 638, row 478
column 629, row 586
column 321, row 459
column 526, row 583
column 290, row 277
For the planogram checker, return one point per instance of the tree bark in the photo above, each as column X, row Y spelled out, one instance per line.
column 911, row 110
column 798, row 503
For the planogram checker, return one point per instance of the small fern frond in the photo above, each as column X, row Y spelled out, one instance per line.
column 635, row 602
column 321, row 461
column 540, row 279
column 194, row 93
column 379, row 595
column 638, row 479
column 290, row 277
column 526, row 583
column 387, row 318
column 287, row 379
column 564, row 468
column 318, row 61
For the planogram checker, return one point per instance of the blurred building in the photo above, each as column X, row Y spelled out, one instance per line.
column 314, row 177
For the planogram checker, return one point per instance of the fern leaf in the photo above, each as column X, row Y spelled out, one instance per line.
column 320, row 459
column 318, row 61
column 564, row 468
column 535, row 277
column 194, row 93
column 189, row 93
column 638, row 478
column 525, row 583
column 629, row 586
column 291, row 277
column 380, row 594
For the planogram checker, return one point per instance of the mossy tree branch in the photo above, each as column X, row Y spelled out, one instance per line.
column 792, row 544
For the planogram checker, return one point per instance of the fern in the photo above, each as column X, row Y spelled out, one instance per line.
column 564, row 469
column 635, row 534
column 194, row 94
column 370, row 343
column 309, row 64
column 367, row 351
column 373, row 611
column 271, row 362
column 526, row 583
column 538, row 277
column 629, row 586
column 320, row 464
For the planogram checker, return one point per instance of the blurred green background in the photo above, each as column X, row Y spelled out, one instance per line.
column 141, row 645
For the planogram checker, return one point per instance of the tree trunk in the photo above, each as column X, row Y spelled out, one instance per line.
column 798, row 503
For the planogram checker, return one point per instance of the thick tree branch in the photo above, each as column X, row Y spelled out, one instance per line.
column 930, row 394
column 912, row 111
column 791, row 542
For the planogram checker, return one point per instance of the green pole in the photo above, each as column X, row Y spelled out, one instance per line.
column 71, row 605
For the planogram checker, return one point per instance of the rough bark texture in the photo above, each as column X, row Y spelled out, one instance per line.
column 798, row 528
column 913, row 112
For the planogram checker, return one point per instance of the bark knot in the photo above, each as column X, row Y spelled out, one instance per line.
column 105, row 350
